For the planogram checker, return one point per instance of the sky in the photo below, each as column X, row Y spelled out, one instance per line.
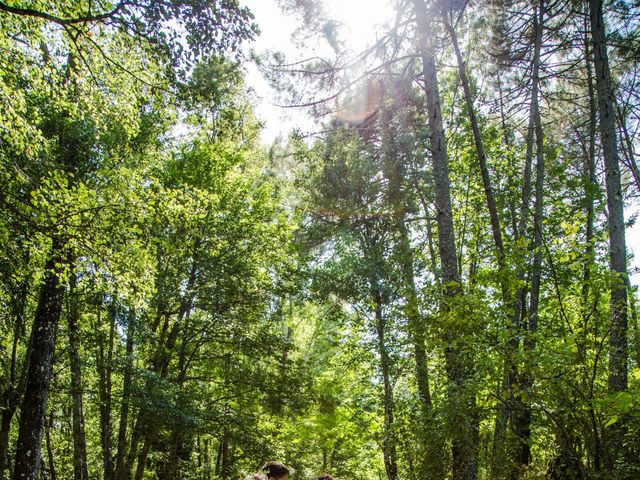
column 359, row 18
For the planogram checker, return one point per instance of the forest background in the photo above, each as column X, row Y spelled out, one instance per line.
column 429, row 276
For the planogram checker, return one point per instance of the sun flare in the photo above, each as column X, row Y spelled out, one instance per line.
column 358, row 19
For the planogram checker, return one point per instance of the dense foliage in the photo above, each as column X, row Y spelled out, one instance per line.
column 434, row 286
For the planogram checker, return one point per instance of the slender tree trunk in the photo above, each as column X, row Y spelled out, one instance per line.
column 618, row 343
column 225, row 460
column 124, row 406
column 160, row 366
column 634, row 323
column 177, row 436
column 80, row 469
column 628, row 148
column 5, row 428
column 34, row 403
column 104, row 363
column 416, row 322
column 17, row 376
column 388, row 440
column 522, row 413
column 590, row 187
column 206, row 460
column 430, row 246
column 136, row 437
column 142, row 459
column 465, row 438
column 218, row 468
column 523, row 429
column 504, row 408
column 481, row 155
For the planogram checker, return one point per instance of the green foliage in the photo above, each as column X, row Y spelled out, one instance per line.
column 236, row 305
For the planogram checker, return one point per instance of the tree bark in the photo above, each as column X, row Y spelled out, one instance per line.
column 50, row 456
column 590, row 187
column 104, row 361
column 481, row 155
column 80, row 469
column 225, row 460
column 522, row 411
column 388, row 440
column 34, row 403
column 124, row 406
column 618, row 342
column 465, row 438
column 142, row 459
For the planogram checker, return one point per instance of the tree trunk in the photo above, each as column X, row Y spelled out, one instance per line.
column 124, row 406
column 628, row 148
column 225, row 460
column 465, row 438
column 481, row 154
column 590, row 187
column 34, row 403
column 136, row 437
column 142, row 459
column 17, row 376
column 80, row 470
column 5, row 428
column 104, row 362
column 388, row 440
column 206, row 460
column 522, row 412
column 618, row 343
column 523, row 428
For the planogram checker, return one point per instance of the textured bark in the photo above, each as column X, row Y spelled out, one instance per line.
column 80, row 469
column 617, row 244
column 176, row 446
column 464, row 442
column 5, row 428
column 34, row 403
column 618, row 342
column 523, row 427
column 136, row 437
column 437, row 140
column 206, row 460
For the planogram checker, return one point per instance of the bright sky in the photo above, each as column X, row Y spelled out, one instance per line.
column 359, row 18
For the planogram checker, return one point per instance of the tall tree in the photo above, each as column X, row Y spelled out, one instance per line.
column 618, row 342
column 464, row 445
